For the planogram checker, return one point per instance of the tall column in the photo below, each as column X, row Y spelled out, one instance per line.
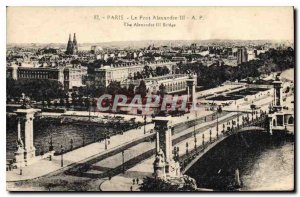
column 19, row 154
column 191, row 90
column 164, row 159
column 278, row 100
column 19, row 129
column 27, row 115
column 157, row 143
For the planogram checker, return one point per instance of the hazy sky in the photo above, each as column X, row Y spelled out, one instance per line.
column 53, row 24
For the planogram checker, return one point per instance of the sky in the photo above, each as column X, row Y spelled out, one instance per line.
column 53, row 24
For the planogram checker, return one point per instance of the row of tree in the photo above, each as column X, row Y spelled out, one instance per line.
column 271, row 61
column 38, row 90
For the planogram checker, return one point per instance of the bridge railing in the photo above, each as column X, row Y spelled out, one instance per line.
column 189, row 156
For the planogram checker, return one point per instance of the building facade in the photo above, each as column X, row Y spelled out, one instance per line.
column 69, row 76
column 121, row 72
column 242, row 55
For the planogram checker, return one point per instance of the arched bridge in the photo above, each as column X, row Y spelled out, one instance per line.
column 190, row 158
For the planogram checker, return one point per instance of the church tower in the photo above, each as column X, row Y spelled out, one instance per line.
column 75, row 47
column 70, row 47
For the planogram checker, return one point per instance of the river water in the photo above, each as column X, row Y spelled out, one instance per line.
column 265, row 163
column 62, row 134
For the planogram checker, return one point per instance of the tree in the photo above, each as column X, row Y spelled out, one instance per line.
column 142, row 89
column 151, row 184
column 131, row 90
column 113, row 88
column 162, row 90
column 36, row 89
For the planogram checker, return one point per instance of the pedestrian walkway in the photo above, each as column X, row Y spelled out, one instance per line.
column 46, row 166
column 123, row 182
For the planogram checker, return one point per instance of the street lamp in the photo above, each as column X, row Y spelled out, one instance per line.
column 71, row 144
column 105, row 141
column 83, row 140
column 89, row 106
column 238, row 116
column 217, row 125
column 123, row 161
column 195, row 124
column 62, row 156
column 107, row 137
column 145, row 119
column 51, row 144
column 252, row 106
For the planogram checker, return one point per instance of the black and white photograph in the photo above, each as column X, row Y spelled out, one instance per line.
column 150, row 99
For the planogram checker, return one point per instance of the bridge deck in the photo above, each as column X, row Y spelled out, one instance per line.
column 189, row 159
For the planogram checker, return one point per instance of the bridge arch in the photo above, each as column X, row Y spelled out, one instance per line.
column 216, row 141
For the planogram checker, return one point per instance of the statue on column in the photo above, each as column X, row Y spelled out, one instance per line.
column 19, row 154
column 19, row 143
column 25, row 102
column 159, row 165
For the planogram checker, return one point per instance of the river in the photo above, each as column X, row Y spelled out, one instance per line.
column 62, row 134
column 265, row 163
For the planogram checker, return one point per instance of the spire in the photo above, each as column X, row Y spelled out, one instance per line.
column 75, row 47
column 69, row 46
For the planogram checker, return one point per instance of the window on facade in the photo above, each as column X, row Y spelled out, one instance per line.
column 291, row 120
column 279, row 120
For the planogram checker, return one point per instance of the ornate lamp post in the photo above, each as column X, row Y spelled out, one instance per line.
column 217, row 125
column 195, row 124
column 89, row 106
column 123, row 161
column 107, row 137
column 145, row 121
column 71, row 144
column 62, row 156
column 252, row 106
column 105, row 143
column 83, row 140
column 238, row 117
column 51, row 144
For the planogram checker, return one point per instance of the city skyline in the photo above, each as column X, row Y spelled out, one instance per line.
column 212, row 25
